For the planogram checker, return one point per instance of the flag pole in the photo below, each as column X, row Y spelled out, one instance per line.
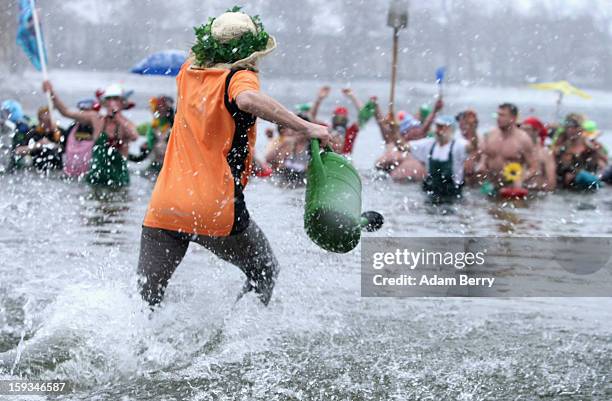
column 41, row 54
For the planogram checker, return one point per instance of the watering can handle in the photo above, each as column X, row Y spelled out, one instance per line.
column 316, row 162
column 315, row 148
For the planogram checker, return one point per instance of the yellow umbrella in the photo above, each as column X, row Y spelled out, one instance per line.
column 563, row 88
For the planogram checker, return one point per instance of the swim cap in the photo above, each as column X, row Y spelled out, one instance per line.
column 14, row 109
column 539, row 127
column 424, row 111
column 341, row 111
column 303, row 107
column 408, row 123
column 590, row 129
column 589, row 126
column 448, row 121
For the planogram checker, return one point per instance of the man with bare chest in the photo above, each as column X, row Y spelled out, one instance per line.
column 506, row 144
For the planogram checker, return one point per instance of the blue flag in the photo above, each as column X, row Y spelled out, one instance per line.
column 440, row 72
column 26, row 35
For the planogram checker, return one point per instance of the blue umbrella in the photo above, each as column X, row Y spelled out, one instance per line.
column 167, row 62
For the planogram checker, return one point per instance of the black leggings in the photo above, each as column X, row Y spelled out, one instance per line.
column 161, row 251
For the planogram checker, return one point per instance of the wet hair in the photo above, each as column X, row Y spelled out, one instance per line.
column 574, row 120
column 511, row 107
column 465, row 114
column 166, row 99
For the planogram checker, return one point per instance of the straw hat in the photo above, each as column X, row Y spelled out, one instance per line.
column 228, row 27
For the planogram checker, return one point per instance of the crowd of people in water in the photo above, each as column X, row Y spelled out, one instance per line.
column 443, row 152
column 94, row 146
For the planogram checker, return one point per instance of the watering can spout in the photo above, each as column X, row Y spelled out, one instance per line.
column 371, row 221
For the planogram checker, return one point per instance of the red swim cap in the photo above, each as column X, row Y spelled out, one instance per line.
column 539, row 127
column 341, row 111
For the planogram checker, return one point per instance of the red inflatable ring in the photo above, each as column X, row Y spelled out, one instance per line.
column 263, row 171
column 513, row 193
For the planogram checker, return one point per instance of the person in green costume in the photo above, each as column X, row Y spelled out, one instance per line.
column 112, row 133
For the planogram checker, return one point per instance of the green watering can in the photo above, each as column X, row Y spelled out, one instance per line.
column 332, row 217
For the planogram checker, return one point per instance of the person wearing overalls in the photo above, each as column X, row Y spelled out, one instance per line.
column 444, row 157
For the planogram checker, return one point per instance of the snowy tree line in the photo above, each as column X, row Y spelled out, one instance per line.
column 346, row 40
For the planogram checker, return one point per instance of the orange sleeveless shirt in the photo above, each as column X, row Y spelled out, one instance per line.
column 208, row 158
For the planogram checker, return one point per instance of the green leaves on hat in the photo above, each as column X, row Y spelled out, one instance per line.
column 208, row 50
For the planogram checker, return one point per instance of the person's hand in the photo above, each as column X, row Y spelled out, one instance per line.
column 374, row 99
column 324, row 92
column 438, row 105
column 116, row 113
column 127, row 105
column 593, row 144
column 389, row 119
column 320, row 132
column 47, row 87
column 347, row 92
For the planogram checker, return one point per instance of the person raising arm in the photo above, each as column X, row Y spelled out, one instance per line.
column 85, row 117
column 323, row 93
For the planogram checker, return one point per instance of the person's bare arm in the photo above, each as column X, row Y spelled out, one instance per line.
column 415, row 133
column 383, row 123
column 129, row 129
column 27, row 149
column 264, row 106
column 277, row 155
column 377, row 112
column 473, row 146
column 421, row 131
column 83, row 117
column 431, row 117
column 22, row 150
column 551, row 173
column 600, row 154
column 323, row 93
column 348, row 92
column 337, row 143
column 530, row 158
column 482, row 166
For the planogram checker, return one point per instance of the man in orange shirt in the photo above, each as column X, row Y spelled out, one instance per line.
column 198, row 195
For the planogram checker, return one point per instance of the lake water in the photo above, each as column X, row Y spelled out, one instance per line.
column 69, row 307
